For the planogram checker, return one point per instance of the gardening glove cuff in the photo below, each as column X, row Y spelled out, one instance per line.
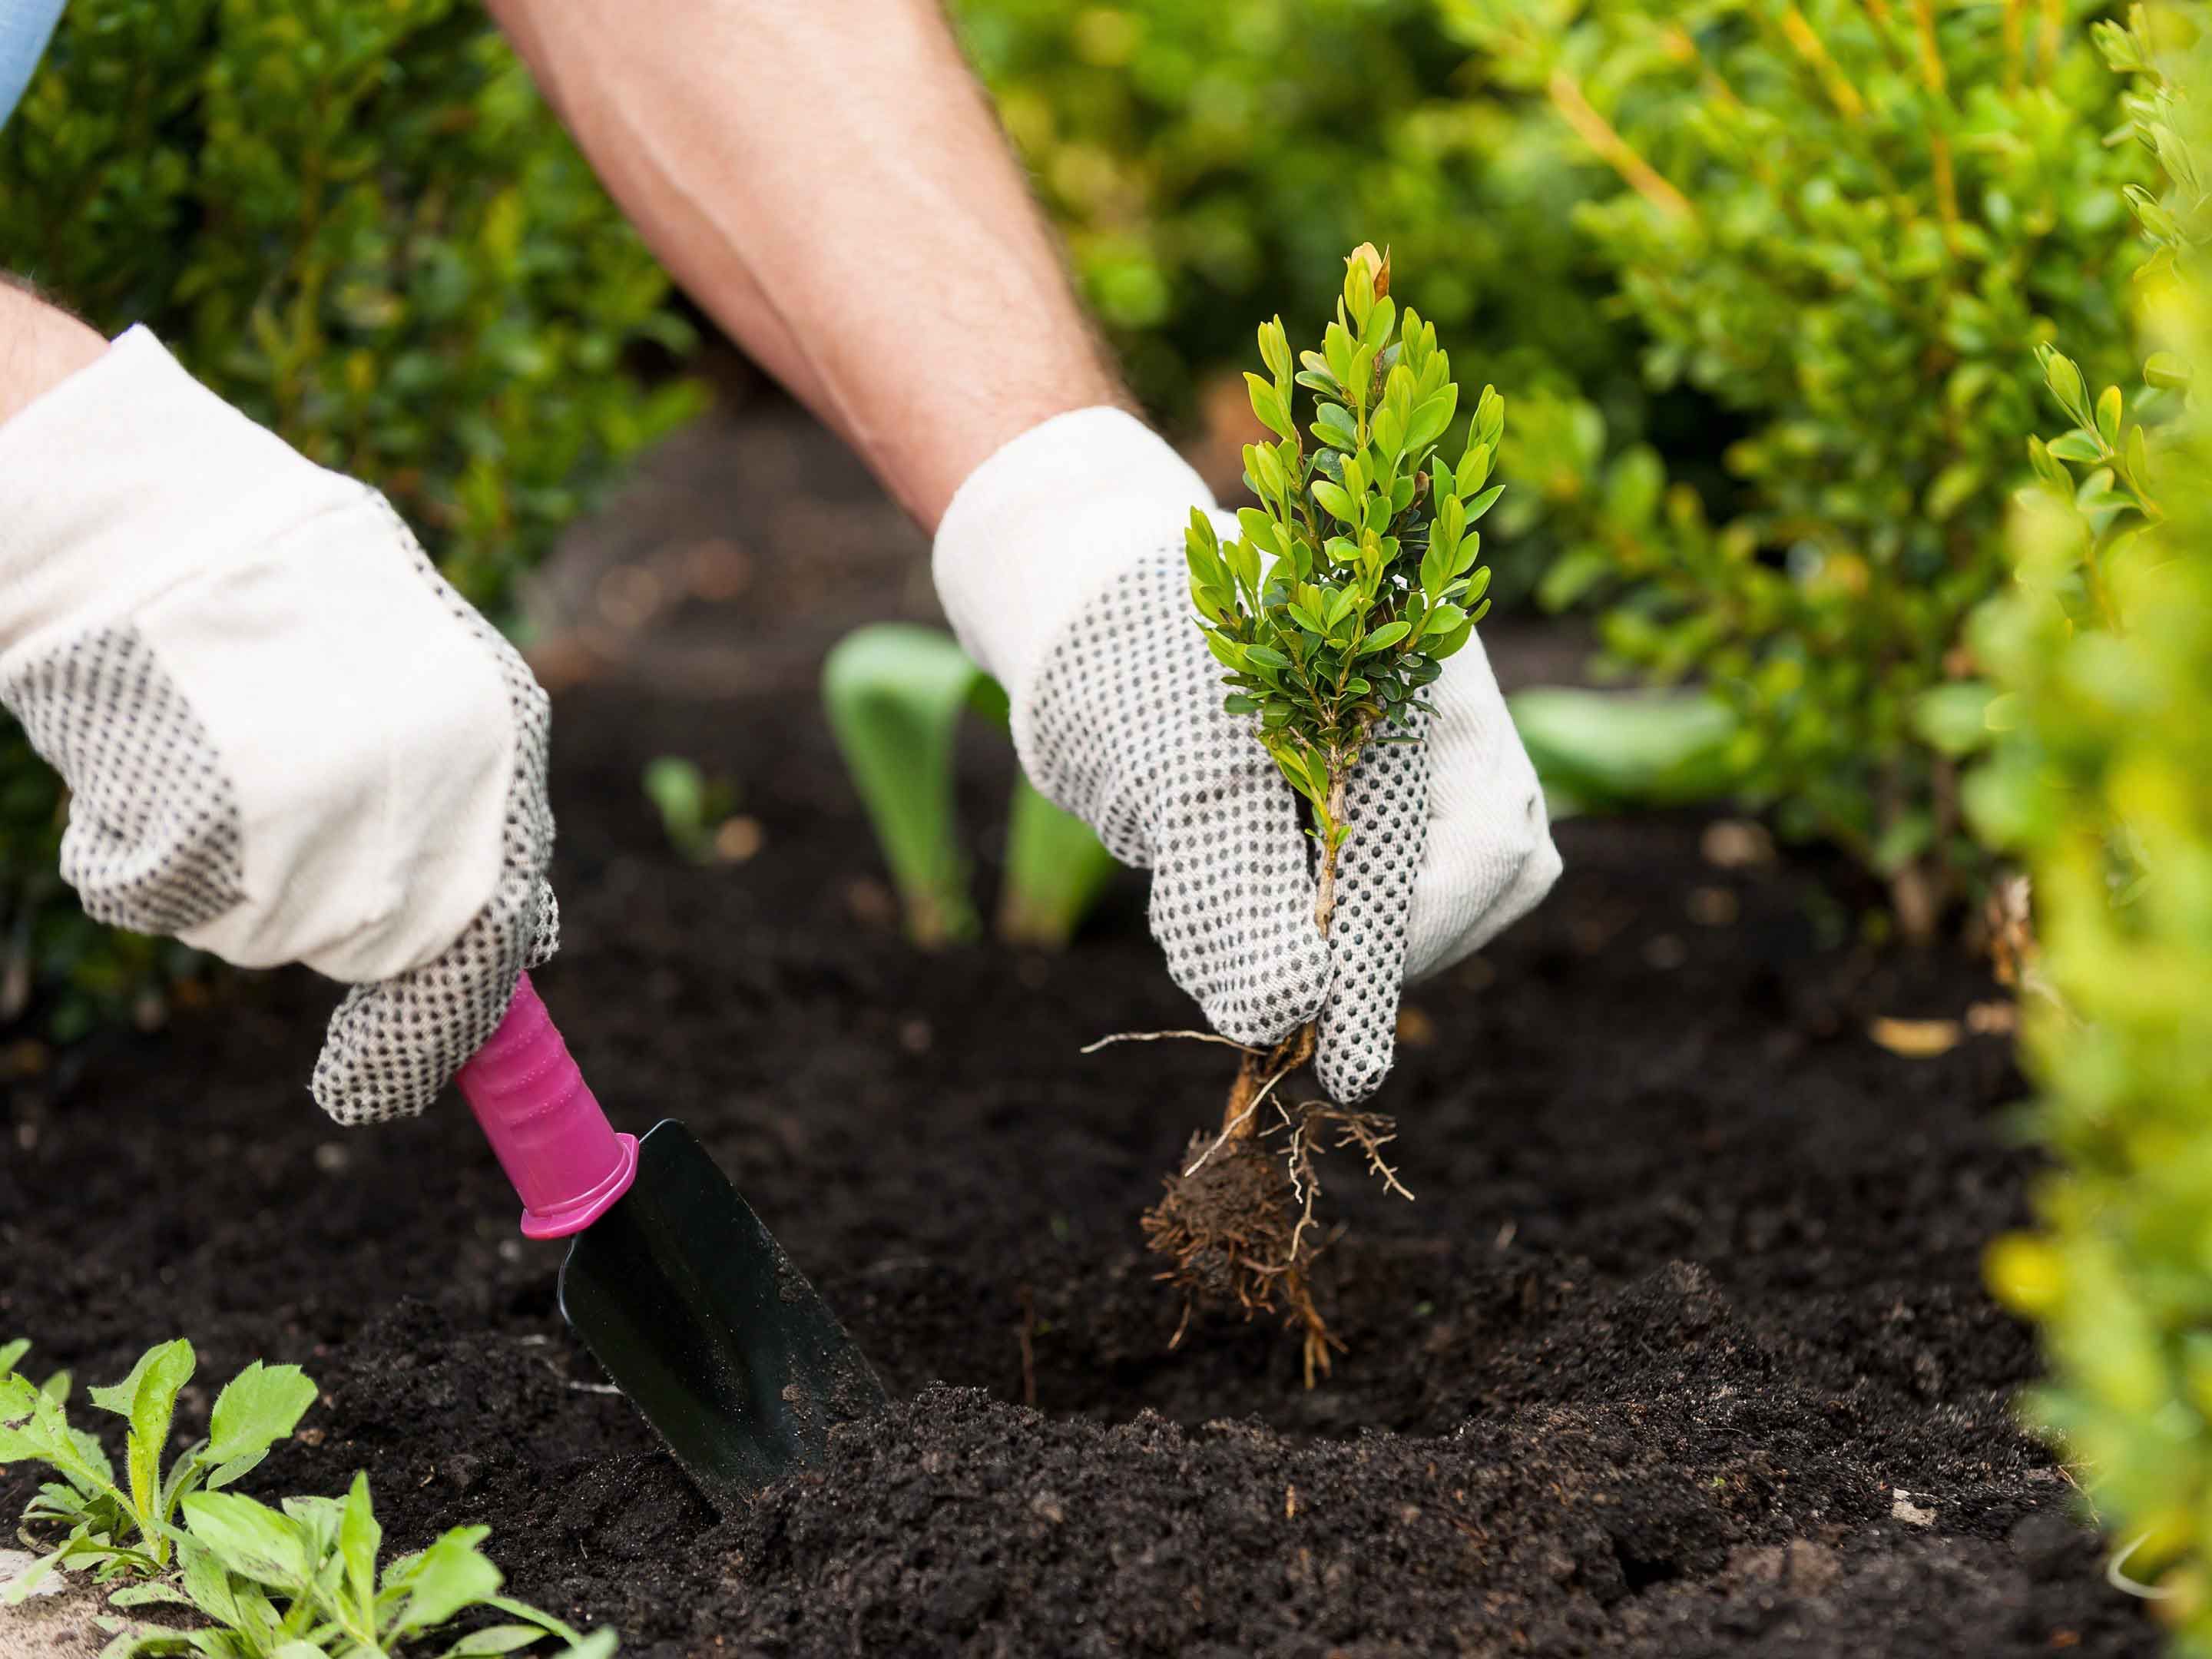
column 287, row 738
column 1046, row 523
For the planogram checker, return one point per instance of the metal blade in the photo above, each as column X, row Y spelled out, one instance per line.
column 700, row 1318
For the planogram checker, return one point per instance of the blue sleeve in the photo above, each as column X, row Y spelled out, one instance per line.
column 26, row 25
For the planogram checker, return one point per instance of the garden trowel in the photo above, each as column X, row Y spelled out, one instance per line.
column 693, row 1310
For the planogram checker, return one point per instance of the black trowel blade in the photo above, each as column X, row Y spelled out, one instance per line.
column 700, row 1318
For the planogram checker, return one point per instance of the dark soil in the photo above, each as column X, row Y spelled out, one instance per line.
column 1681, row 1351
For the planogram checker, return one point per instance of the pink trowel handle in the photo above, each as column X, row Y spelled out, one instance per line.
column 565, row 1159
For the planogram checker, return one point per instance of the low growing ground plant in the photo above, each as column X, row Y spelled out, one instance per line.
column 121, row 1526
column 297, row 1581
column 1354, row 579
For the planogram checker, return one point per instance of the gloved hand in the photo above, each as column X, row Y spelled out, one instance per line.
column 1060, row 565
column 286, row 738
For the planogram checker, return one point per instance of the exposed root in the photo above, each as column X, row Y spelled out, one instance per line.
column 1237, row 1238
column 1238, row 1126
column 1169, row 1036
column 1236, row 1221
column 1370, row 1132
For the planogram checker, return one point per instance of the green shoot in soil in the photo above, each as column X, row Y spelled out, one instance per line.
column 297, row 1582
column 126, row 1527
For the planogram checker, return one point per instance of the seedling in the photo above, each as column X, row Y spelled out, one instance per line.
column 1354, row 579
column 126, row 1529
column 290, row 1583
column 693, row 807
column 302, row 1580
column 895, row 694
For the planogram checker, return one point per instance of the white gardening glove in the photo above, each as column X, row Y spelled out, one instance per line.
column 286, row 738
column 1060, row 565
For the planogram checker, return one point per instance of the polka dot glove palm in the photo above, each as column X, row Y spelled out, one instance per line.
column 286, row 738
column 1061, row 564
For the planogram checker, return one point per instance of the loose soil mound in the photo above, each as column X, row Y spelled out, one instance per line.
column 1681, row 1351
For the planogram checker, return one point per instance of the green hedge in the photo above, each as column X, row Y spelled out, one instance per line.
column 2101, row 780
column 356, row 220
column 1849, row 224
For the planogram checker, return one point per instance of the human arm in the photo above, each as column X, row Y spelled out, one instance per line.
column 829, row 181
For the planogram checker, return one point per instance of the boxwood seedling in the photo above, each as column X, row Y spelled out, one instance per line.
column 1350, row 584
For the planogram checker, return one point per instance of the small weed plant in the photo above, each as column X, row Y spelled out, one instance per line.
column 1331, row 612
column 298, row 1580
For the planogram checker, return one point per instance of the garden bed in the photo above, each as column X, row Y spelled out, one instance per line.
column 1681, row 1351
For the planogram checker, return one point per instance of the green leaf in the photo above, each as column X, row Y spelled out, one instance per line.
column 1268, row 656
column 1384, row 637
column 1389, row 434
column 207, row 1584
column 1339, row 346
column 1952, row 717
column 1199, row 532
column 1431, row 417
column 1359, row 294
column 1275, row 349
column 1440, row 646
column 1266, row 469
column 1268, row 404
column 1482, row 504
column 1333, row 426
column 450, row 1575
column 143, row 1595
column 12, row 1352
column 118, row 1397
column 360, row 1537
column 261, row 1405
column 161, row 1374
column 1260, row 530
column 1363, row 374
column 2108, row 415
column 252, row 1540
column 1377, row 330
column 2165, row 369
column 2065, row 380
column 2077, row 446
column 494, row 1638
column 1336, row 502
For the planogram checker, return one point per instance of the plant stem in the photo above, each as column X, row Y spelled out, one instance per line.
column 1599, row 134
column 1340, row 775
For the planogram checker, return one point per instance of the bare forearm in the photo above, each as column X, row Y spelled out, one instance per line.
column 41, row 346
column 828, row 181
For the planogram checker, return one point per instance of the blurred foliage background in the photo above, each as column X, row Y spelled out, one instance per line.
column 1764, row 280
column 1209, row 165
column 356, row 220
